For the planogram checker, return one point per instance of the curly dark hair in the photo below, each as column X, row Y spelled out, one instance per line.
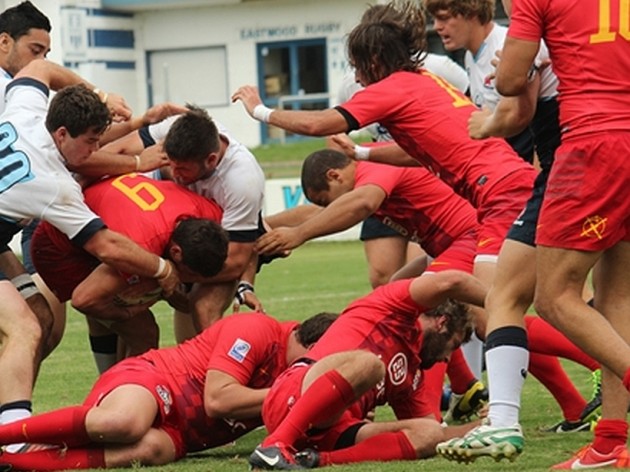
column 458, row 318
column 79, row 110
column 389, row 38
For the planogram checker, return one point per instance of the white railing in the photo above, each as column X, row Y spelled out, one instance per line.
column 302, row 97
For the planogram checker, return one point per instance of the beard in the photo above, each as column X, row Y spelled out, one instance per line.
column 433, row 350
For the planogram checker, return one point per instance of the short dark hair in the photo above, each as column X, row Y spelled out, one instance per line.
column 18, row 20
column 79, row 110
column 192, row 137
column 389, row 38
column 317, row 164
column 204, row 245
column 458, row 318
column 313, row 328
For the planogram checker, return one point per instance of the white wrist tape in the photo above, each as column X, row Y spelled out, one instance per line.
column 361, row 153
column 241, row 290
column 25, row 284
column 262, row 113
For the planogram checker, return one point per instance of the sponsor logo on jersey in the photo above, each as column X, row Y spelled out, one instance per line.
column 485, row 242
column 239, row 350
column 164, row 393
column 594, row 227
column 397, row 369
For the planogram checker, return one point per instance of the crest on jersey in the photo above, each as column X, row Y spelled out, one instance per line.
column 397, row 369
column 239, row 350
column 165, row 395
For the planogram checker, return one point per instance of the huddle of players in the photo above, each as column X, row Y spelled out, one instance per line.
column 327, row 376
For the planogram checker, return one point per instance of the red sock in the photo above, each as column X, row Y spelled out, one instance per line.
column 626, row 380
column 545, row 339
column 609, row 434
column 382, row 447
column 65, row 427
column 431, row 385
column 549, row 372
column 330, row 393
column 57, row 459
column 459, row 372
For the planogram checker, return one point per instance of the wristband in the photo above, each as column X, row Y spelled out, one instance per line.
column 25, row 284
column 361, row 153
column 137, row 158
column 241, row 290
column 262, row 113
column 162, row 266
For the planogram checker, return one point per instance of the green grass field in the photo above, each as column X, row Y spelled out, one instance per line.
column 317, row 277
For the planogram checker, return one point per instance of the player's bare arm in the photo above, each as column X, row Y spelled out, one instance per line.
column 344, row 212
column 391, row 154
column 101, row 163
column 432, row 289
column 95, row 296
column 292, row 217
column 515, row 67
column 510, row 117
column 311, row 123
column 239, row 254
column 120, row 252
column 225, row 397
column 153, row 115
column 57, row 77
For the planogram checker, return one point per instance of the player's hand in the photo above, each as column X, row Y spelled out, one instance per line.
column 161, row 111
column 343, row 143
column 152, row 157
column 249, row 95
column 477, row 123
column 170, row 281
column 278, row 240
column 118, row 107
column 250, row 300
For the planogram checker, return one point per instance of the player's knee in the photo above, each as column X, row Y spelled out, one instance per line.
column 371, row 366
column 118, row 428
column 24, row 329
column 43, row 312
column 152, row 449
column 545, row 306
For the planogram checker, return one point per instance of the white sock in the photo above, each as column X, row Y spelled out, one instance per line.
column 507, row 368
column 473, row 353
column 9, row 416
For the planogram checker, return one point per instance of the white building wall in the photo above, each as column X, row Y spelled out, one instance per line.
column 239, row 28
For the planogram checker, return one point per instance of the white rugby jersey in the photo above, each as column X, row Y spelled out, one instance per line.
column 34, row 181
column 479, row 67
column 5, row 78
column 237, row 184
